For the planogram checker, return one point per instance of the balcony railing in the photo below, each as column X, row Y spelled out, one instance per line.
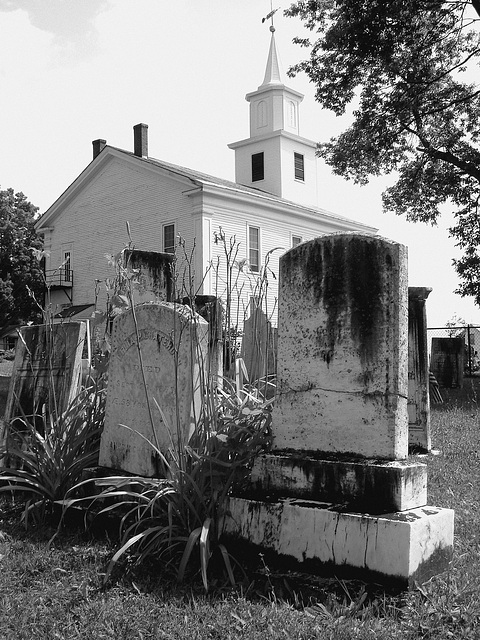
column 60, row 278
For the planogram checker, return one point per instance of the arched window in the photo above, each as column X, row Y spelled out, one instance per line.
column 262, row 113
column 292, row 113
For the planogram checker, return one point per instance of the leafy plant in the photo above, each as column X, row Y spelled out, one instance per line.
column 43, row 467
column 168, row 518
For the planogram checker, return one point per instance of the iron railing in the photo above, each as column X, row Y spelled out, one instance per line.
column 59, row 278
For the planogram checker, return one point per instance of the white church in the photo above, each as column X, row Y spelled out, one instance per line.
column 269, row 208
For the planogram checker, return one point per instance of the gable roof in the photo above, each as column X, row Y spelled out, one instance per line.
column 197, row 178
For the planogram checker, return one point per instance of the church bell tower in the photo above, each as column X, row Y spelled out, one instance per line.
column 275, row 158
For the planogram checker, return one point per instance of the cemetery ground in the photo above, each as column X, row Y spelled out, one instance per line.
column 56, row 590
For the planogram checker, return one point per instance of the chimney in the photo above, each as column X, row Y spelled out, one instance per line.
column 140, row 140
column 98, row 146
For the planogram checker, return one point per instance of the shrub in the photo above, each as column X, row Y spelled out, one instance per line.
column 168, row 518
column 43, row 468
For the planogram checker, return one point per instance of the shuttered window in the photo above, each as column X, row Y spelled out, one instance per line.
column 169, row 238
column 254, row 248
column 258, row 171
column 299, row 162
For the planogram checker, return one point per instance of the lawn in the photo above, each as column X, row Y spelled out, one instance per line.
column 55, row 591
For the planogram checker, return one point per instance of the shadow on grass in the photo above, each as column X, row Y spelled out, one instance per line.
column 467, row 396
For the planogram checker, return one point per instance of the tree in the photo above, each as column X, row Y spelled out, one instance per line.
column 20, row 269
column 401, row 65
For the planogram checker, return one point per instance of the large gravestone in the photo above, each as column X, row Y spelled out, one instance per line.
column 342, row 348
column 337, row 493
column 46, row 371
column 156, row 373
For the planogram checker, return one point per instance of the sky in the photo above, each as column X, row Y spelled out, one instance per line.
column 72, row 71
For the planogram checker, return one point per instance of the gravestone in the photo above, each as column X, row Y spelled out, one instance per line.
column 342, row 348
column 418, row 371
column 258, row 344
column 447, row 361
column 152, row 273
column 337, row 493
column 167, row 343
column 46, row 371
column 209, row 307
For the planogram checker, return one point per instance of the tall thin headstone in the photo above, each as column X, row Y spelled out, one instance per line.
column 258, row 344
column 418, row 371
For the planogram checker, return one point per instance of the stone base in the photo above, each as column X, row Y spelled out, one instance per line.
column 362, row 485
column 394, row 548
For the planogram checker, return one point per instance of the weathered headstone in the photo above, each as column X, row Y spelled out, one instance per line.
column 152, row 274
column 258, row 344
column 46, row 371
column 342, row 348
column 167, row 343
column 337, row 492
column 209, row 307
column 447, row 361
column 418, row 372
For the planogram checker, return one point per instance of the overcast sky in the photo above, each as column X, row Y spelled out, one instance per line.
column 72, row 71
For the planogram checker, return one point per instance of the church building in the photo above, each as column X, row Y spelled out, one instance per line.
column 269, row 208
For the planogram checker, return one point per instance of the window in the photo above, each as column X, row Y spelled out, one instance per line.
column 299, row 162
column 65, row 273
column 262, row 113
column 169, row 238
column 292, row 114
column 296, row 240
column 67, row 266
column 254, row 248
column 258, row 172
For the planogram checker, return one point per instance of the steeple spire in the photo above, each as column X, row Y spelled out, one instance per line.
column 272, row 72
column 275, row 158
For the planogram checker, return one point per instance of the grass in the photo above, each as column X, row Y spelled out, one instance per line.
column 55, row 591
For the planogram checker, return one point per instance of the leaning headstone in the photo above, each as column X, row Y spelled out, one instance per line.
column 418, row 371
column 46, row 371
column 154, row 395
column 342, row 348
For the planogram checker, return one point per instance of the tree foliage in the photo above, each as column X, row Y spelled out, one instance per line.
column 403, row 67
column 20, row 269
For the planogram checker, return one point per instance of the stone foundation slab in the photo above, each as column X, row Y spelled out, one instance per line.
column 394, row 548
column 367, row 486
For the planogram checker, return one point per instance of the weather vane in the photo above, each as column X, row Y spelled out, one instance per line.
column 269, row 16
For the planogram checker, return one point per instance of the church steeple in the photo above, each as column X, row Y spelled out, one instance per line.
column 273, row 74
column 275, row 158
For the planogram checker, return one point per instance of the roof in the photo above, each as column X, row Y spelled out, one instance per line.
column 70, row 312
column 10, row 330
column 198, row 179
column 201, row 179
